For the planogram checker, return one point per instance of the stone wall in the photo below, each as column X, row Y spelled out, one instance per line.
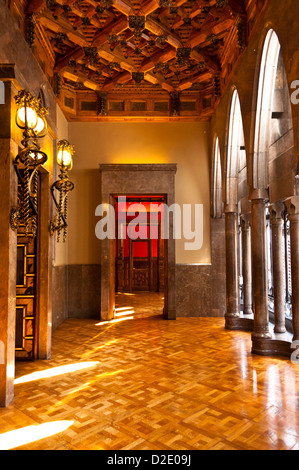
column 59, row 295
column 76, row 292
column 84, row 291
column 200, row 289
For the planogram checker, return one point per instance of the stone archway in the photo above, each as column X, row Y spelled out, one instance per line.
column 272, row 183
column 235, row 194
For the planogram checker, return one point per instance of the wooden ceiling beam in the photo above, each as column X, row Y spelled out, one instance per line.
column 152, row 25
column 121, row 78
column 161, row 56
column 76, row 11
column 116, row 56
column 78, row 77
column 210, row 62
column 218, row 21
column 75, row 54
column 150, row 6
column 125, row 77
column 157, row 79
column 116, row 27
column 187, row 83
column 35, row 6
column 180, row 2
column 124, row 7
column 62, row 26
column 201, row 36
column 160, row 30
column 98, row 41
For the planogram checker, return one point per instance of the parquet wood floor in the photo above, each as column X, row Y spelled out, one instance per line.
column 158, row 385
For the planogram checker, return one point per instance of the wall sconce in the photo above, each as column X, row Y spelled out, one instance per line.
column 30, row 117
column 65, row 152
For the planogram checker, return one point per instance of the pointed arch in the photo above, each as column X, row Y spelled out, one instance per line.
column 236, row 155
column 266, row 87
column 216, row 182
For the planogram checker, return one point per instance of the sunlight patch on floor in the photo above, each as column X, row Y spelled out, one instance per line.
column 109, row 322
column 23, row 436
column 124, row 313
column 61, row 370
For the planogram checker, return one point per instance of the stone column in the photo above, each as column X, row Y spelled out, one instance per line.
column 246, row 264
column 293, row 212
column 8, row 253
column 259, row 265
column 276, row 218
column 232, row 268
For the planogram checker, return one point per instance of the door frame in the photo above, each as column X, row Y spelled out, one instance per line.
column 141, row 180
column 165, row 242
column 158, row 199
column 42, row 296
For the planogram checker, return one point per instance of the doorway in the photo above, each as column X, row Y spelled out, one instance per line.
column 146, row 181
column 139, row 256
column 33, row 316
column 26, row 335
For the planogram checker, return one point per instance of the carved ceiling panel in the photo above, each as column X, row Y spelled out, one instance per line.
column 139, row 48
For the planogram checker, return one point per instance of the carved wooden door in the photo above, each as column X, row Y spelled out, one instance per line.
column 140, row 265
column 26, row 290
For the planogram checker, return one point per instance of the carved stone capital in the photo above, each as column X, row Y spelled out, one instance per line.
column 293, row 208
column 231, row 209
column 277, row 211
column 259, row 194
column 245, row 221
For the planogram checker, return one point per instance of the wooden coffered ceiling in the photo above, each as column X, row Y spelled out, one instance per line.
column 109, row 59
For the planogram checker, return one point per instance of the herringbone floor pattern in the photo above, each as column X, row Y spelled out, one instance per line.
column 153, row 384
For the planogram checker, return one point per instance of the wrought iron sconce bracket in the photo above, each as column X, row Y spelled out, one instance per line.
column 63, row 186
column 30, row 118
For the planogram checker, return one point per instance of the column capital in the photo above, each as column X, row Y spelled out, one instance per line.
column 277, row 211
column 245, row 221
column 293, row 207
column 231, row 209
column 259, row 194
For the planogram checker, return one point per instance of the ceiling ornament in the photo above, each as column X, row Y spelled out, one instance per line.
column 183, row 56
column 137, row 77
column 116, row 46
column 92, row 55
column 106, row 4
column 137, row 24
column 165, row 3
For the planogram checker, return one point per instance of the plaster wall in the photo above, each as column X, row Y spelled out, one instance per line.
column 185, row 144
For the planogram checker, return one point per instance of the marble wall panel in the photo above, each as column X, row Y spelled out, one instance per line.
column 193, row 290
column 59, row 295
column 84, row 291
